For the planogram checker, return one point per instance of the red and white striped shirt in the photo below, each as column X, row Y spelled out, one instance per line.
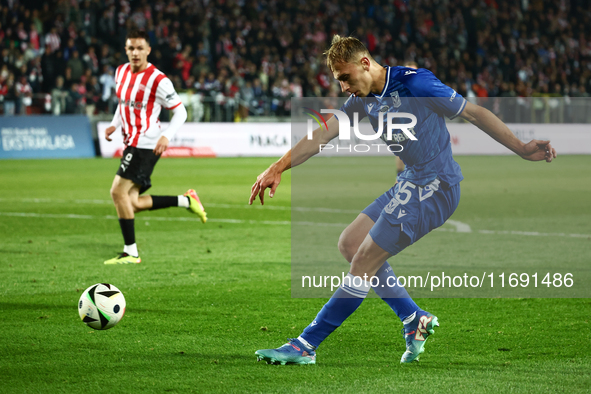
column 141, row 98
column 53, row 41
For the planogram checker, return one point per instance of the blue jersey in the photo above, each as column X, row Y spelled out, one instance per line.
column 420, row 93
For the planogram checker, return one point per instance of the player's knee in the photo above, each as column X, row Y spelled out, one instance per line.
column 117, row 194
column 368, row 259
column 136, row 206
column 361, row 254
column 360, row 261
column 347, row 246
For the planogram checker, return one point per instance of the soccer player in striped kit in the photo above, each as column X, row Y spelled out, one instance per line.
column 142, row 91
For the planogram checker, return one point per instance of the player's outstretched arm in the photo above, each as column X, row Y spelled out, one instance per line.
column 301, row 152
column 535, row 150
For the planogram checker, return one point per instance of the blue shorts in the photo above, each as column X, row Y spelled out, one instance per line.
column 412, row 210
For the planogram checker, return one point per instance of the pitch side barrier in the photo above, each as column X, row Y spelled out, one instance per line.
column 45, row 137
column 213, row 140
column 274, row 139
column 564, row 121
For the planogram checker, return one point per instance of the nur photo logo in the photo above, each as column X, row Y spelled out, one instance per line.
column 345, row 125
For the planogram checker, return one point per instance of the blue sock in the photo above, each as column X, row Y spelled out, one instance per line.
column 342, row 304
column 395, row 296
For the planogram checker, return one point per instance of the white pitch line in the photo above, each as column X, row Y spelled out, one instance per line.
column 533, row 233
column 460, row 227
column 167, row 219
column 145, row 218
column 56, row 201
column 213, row 205
column 274, row 222
column 283, row 208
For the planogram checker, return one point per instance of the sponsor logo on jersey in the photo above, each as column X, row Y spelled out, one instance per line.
column 401, row 213
column 133, row 104
column 453, row 96
column 170, row 97
column 410, row 72
column 396, row 102
column 391, row 206
column 399, row 137
column 428, row 190
column 369, row 107
column 384, row 108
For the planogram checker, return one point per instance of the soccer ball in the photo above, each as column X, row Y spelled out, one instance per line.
column 101, row 306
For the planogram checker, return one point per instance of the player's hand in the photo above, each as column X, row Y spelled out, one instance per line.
column 161, row 146
column 110, row 130
column 270, row 178
column 537, row 150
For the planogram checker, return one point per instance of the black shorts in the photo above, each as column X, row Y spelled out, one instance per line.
column 137, row 166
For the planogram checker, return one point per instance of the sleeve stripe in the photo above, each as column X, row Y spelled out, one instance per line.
column 385, row 89
column 459, row 110
column 174, row 106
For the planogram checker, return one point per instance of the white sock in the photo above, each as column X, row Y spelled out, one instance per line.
column 306, row 343
column 183, row 201
column 356, row 286
column 131, row 250
column 409, row 319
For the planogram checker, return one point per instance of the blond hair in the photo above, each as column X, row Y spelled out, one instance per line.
column 344, row 50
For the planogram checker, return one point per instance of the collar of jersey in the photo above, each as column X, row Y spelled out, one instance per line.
column 386, row 85
column 146, row 69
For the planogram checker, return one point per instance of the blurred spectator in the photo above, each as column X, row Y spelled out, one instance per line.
column 49, row 69
column 201, row 67
column 247, row 100
column 106, row 25
column 183, row 64
column 24, row 94
column 58, row 97
column 76, row 66
column 106, row 58
column 73, row 99
column 107, row 82
column 88, row 14
column 34, row 40
column 52, row 40
column 37, row 23
column 91, row 61
column 35, row 75
column 274, row 49
column 93, row 95
column 69, row 49
column 8, row 91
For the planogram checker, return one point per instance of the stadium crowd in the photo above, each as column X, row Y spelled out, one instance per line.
column 260, row 53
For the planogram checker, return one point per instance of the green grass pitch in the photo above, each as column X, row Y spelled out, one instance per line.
column 205, row 297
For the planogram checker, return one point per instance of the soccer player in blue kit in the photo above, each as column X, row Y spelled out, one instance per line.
column 425, row 196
